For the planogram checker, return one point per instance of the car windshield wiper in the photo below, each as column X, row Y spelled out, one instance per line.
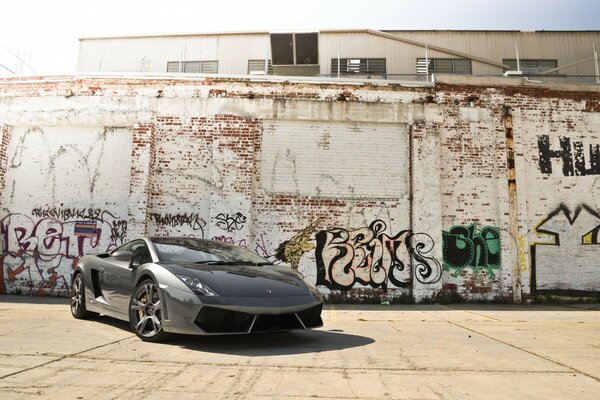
column 220, row 262
column 254, row 263
column 214, row 262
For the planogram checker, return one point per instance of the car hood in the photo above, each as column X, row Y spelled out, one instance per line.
column 244, row 280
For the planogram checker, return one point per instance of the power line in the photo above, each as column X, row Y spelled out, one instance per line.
column 18, row 58
column 12, row 72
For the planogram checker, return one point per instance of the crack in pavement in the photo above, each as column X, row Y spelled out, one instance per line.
column 73, row 355
column 573, row 369
column 473, row 312
column 185, row 364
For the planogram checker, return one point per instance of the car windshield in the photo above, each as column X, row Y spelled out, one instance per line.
column 204, row 252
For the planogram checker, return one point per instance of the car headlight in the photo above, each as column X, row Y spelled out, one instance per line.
column 197, row 285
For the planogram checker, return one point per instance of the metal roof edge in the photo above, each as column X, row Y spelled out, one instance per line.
column 347, row 30
column 224, row 77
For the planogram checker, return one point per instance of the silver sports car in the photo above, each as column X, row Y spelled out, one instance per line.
column 193, row 286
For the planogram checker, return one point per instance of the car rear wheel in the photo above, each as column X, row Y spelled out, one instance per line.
column 146, row 312
column 78, row 309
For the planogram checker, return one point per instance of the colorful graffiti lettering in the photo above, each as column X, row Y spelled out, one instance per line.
column 229, row 222
column 47, row 249
column 465, row 247
column 370, row 257
column 231, row 240
column 573, row 158
column 522, row 252
column 291, row 251
column 568, row 257
column 118, row 229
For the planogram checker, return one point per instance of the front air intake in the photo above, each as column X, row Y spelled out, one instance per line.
column 217, row 320
column 311, row 317
column 282, row 322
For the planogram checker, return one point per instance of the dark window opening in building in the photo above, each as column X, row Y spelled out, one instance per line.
column 307, row 49
column 193, row 67
column 362, row 66
column 455, row 66
column 295, row 48
column 282, row 48
column 257, row 67
column 532, row 67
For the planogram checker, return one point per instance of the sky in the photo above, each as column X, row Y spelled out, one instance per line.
column 42, row 36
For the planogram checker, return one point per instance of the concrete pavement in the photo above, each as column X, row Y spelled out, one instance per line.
column 362, row 352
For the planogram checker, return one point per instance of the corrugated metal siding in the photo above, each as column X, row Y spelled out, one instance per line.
column 232, row 51
column 128, row 54
column 565, row 47
column 401, row 58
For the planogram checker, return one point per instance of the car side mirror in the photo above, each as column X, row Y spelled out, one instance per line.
column 123, row 256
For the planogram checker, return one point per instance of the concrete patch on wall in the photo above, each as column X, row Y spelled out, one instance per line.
column 340, row 160
column 473, row 114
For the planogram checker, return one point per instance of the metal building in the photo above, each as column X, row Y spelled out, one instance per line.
column 406, row 55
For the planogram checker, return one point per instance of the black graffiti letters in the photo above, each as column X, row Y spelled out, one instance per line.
column 370, row 257
column 427, row 269
column 573, row 157
column 566, row 256
column 229, row 222
column 192, row 220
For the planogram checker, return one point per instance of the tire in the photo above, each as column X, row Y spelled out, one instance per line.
column 78, row 309
column 146, row 312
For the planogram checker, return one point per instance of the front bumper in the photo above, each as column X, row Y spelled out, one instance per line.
column 190, row 314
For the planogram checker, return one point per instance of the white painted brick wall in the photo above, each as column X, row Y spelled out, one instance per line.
column 205, row 152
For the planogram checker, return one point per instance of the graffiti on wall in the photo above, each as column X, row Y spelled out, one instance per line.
column 260, row 247
column 230, row 222
column 2, row 285
column 522, row 252
column 292, row 250
column 191, row 220
column 466, row 247
column 41, row 250
column 569, row 257
column 371, row 257
column 118, row 227
column 573, row 157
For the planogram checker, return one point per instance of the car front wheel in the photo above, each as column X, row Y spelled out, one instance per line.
column 78, row 308
column 146, row 312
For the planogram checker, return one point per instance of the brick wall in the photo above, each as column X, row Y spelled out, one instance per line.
column 489, row 191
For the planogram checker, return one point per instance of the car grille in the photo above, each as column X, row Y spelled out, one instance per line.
column 284, row 322
column 218, row 320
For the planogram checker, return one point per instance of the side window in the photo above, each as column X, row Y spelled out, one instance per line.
column 146, row 258
column 138, row 249
column 122, row 248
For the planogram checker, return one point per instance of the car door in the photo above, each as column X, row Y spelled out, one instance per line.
column 118, row 276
